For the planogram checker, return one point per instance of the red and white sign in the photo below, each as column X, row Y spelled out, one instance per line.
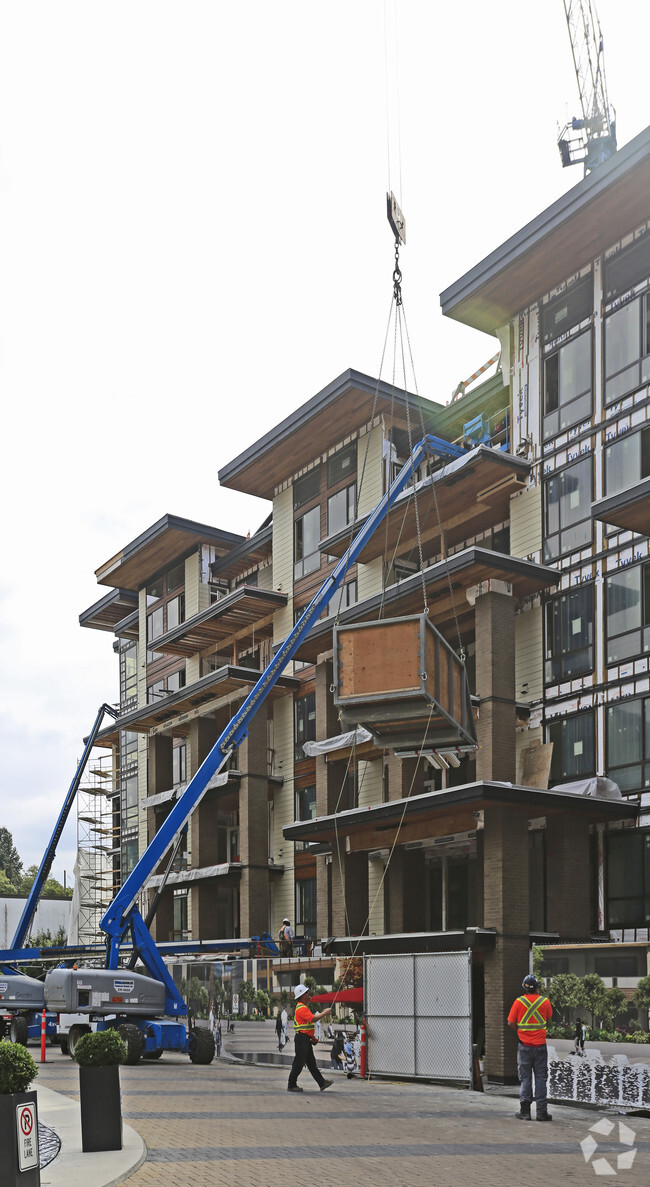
column 27, row 1134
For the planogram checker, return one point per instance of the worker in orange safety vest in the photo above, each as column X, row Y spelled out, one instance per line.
column 305, row 1041
column 528, row 1016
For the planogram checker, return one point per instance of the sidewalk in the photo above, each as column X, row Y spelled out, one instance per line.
column 234, row 1124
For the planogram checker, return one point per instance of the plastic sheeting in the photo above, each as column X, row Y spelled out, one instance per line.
column 599, row 787
column 340, row 742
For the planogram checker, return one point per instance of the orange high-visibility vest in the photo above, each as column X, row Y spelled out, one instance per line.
column 303, row 1020
column 532, row 1019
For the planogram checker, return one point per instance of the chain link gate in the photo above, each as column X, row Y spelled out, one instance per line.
column 419, row 1015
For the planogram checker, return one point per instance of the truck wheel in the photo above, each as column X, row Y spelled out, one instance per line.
column 18, row 1029
column 63, row 1044
column 201, row 1045
column 152, row 1054
column 133, row 1039
column 74, row 1034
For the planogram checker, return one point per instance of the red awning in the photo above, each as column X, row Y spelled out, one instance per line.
column 347, row 996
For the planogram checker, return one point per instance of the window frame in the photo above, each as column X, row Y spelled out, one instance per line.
column 565, row 528
column 577, row 408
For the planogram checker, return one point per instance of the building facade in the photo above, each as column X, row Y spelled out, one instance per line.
column 528, row 553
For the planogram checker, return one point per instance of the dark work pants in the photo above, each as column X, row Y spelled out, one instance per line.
column 532, row 1061
column 304, row 1049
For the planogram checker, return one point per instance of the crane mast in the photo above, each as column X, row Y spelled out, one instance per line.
column 595, row 141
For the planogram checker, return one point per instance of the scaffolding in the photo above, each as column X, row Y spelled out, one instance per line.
column 97, row 848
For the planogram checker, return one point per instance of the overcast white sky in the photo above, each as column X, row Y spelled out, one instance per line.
column 193, row 242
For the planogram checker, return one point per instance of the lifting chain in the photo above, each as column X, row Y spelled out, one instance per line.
column 397, row 277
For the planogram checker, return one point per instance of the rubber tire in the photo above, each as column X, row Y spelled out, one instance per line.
column 152, row 1054
column 63, row 1044
column 18, row 1029
column 201, row 1045
column 132, row 1036
column 74, row 1034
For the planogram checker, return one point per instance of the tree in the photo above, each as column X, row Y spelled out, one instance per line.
column 641, row 996
column 45, row 939
column 51, row 888
column 6, row 886
column 262, row 1001
column 197, row 998
column 566, row 993
column 593, row 988
column 614, row 1002
column 9, row 857
column 246, row 991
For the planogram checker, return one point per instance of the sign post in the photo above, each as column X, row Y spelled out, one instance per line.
column 19, row 1156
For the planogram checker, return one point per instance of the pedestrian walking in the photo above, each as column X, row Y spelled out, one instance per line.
column 285, row 1020
column 528, row 1016
column 304, row 1023
column 279, row 1031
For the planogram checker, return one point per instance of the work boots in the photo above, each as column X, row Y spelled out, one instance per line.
column 544, row 1115
column 524, row 1111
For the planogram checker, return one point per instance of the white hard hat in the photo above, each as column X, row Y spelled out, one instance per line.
column 300, row 990
column 285, row 920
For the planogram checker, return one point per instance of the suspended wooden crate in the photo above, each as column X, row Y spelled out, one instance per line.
column 402, row 681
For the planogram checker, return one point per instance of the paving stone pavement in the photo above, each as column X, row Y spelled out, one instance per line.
column 235, row 1124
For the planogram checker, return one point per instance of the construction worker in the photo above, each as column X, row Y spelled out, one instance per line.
column 528, row 1016
column 285, row 938
column 305, row 1041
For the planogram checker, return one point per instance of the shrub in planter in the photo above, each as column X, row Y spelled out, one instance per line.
column 99, row 1055
column 17, row 1068
column 101, row 1048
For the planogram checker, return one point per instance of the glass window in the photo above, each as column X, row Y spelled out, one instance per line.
column 175, row 576
column 156, row 691
column 306, row 488
column 567, row 509
column 176, row 681
column 628, row 744
column 155, row 623
column 569, row 635
column 175, row 611
column 573, row 747
column 628, row 878
column 627, row 460
column 306, row 537
column 340, row 509
column 627, row 349
column 304, row 723
column 567, row 385
column 306, row 907
column 627, row 610
column 341, row 465
column 129, row 857
column 179, row 764
column 568, row 310
column 155, row 590
column 128, row 676
column 305, row 808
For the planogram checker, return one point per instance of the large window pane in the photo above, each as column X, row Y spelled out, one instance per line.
column 622, row 463
column 567, row 509
column 569, row 635
column 622, row 338
column 573, row 747
column 307, row 535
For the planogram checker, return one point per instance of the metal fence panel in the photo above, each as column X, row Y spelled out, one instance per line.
column 419, row 1015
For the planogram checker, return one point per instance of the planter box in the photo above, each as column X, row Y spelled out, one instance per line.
column 101, row 1108
column 19, row 1160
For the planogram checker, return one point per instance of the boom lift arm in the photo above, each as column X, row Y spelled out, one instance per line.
column 50, row 853
column 596, row 141
column 123, row 916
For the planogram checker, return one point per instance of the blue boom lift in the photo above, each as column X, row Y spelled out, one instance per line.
column 149, row 1010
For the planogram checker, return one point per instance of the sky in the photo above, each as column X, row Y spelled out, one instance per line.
column 193, row 242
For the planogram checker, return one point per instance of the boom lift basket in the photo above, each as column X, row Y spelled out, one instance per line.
column 402, row 681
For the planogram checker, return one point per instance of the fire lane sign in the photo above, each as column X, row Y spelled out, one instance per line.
column 27, row 1135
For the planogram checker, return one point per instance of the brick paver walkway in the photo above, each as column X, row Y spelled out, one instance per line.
column 236, row 1125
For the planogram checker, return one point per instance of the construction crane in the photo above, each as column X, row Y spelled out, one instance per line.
column 595, row 141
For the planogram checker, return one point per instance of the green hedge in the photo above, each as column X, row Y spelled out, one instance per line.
column 100, row 1048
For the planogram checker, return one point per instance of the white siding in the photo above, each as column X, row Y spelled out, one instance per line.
column 283, row 560
column 192, row 576
column 284, row 808
column 370, row 782
column 376, row 898
column 526, row 524
column 142, row 648
column 265, row 577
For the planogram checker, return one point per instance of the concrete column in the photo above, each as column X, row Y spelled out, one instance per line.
column 506, row 908
column 495, row 685
column 349, row 892
column 567, row 877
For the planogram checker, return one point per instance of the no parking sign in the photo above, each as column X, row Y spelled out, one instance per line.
column 27, row 1136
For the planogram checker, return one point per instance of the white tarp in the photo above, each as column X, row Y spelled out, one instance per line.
column 340, row 742
column 152, row 801
column 600, row 787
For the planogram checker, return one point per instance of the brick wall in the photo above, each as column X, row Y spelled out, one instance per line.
column 495, row 685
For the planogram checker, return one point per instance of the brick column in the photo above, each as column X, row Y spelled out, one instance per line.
column 567, row 876
column 506, row 908
column 494, row 619
column 328, row 786
column 254, row 902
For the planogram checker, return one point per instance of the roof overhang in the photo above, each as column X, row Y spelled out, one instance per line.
column 442, row 813
column 244, row 613
column 602, row 208
column 159, row 546
column 628, row 510
column 411, row 941
column 462, row 499
column 176, row 712
column 447, row 584
column 346, row 404
column 253, row 551
column 109, row 610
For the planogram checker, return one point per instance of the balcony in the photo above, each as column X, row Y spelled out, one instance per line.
column 628, row 510
column 237, row 621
